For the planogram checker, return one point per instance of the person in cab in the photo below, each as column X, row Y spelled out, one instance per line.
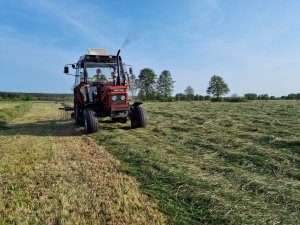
column 99, row 77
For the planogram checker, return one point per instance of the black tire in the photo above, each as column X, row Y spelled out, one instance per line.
column 78, row 115
column 120, row 120
column 90, row 121
column 138, row 117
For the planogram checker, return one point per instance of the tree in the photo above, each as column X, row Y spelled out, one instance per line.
column 189, row 92
column 283, row 97
column 165, row 84
column 251, row 96
column 206, row 97
column 180, row 97
column 147, row 80
column 217, row 87
column 292, row 96
column 263, row 97
column 134, row 84
column 198, row 97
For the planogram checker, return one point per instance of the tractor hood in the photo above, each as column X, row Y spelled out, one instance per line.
column 113, row 89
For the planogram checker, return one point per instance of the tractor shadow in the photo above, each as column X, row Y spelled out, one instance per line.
column 42, row 128
column 106, row 121
column 57, row 128
column 113, row 125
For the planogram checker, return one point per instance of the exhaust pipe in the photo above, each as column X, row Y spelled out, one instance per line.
column 118, row 69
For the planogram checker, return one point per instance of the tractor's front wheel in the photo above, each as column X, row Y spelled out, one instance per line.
column 90, row 121
column 138, row 117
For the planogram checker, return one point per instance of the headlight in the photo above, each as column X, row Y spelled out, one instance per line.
column 114, row 98
column 123, row 97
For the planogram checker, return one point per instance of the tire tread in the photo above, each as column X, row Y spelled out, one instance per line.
column 91, row 121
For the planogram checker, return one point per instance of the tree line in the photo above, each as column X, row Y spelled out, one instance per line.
column 148, row 87
column 19, row 96
column 253, row 96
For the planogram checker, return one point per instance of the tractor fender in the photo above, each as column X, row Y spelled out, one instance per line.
column 135, row 104
column 79, row 96
column 132, row 107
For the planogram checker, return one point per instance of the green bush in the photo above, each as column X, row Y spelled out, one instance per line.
column 236, row 99
column 219, row 99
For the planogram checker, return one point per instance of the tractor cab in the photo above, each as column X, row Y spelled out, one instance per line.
column 99, row 67
column 100, row 90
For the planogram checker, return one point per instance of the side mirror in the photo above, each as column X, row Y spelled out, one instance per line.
column 66, row 69
column 130, row 70
column 73, row 66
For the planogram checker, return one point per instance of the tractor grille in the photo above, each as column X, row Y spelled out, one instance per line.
column 118, row 100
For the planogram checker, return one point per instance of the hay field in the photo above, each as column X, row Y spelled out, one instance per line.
column 8, row 104
column 50, row 173
column 12, row 110
column 215, row 163
column 195, row 163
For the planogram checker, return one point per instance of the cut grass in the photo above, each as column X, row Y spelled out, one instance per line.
column 52, row 174
column 10, row 111
column 9, row 104
column 220, row 163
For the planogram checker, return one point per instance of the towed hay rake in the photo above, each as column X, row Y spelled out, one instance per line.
column 66, row 112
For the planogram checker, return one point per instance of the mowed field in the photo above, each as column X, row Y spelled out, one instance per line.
column 5, row 105
column 215, row 163
column 195, row 163
column 50, row 173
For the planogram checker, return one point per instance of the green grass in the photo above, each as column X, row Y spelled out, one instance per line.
column 10, row 111
column 220, row 163
column 9, row 104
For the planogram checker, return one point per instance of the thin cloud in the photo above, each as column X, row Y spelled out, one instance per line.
column 214, row 4
column 56, row 41
column 7, row 28
column 82, row 20
column 59, row 12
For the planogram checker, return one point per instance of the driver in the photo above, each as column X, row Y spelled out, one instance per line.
column 99, row 77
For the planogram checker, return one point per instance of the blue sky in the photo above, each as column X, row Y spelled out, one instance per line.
column 253, row 45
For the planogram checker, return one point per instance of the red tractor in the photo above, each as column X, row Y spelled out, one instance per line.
column 100, row 90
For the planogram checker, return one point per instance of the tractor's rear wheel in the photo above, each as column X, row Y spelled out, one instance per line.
column 138, row 117
column 90, row 121
column 78, row 115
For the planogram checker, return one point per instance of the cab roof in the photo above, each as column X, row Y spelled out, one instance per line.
column 96, row 51
column 98, row 55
